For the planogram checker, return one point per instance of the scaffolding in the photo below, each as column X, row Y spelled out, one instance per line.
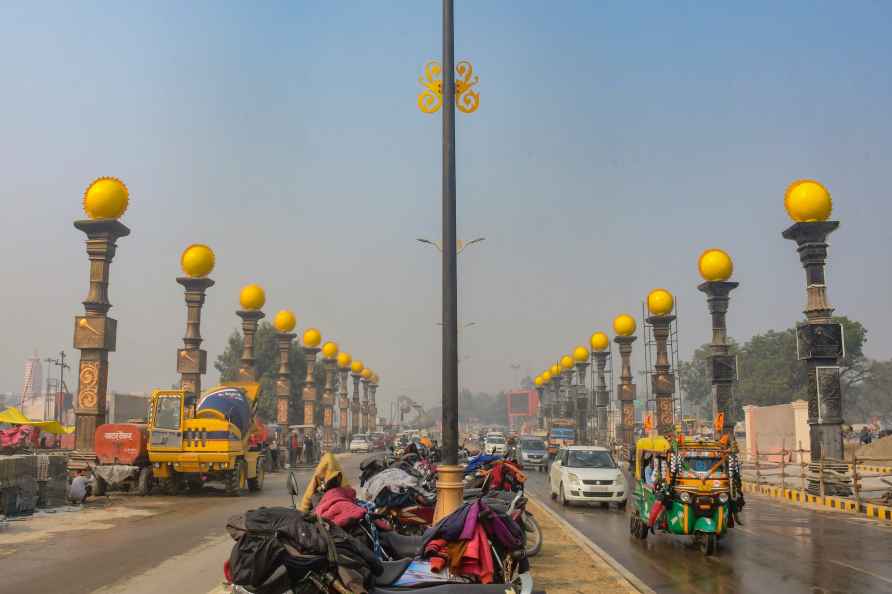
column 650, row 350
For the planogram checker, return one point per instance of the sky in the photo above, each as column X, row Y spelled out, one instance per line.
column 614, row 143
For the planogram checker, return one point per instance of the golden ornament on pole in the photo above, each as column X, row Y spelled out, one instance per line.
column 106, row 198
column 330, row 350
column 599, row 341
column 546, row 377
column 808, row 201
column 312, row 338
column 624, row 325
column 660, row 302
column 197, row 261
column 285, row 321
column 555, row 370
column 252, row 297
column 715, row 265
column 366, row 373
column 580, row 354
column 344, row 360
column 538, row 380
column 567, row 362
column 357, row 366
column 430, row 100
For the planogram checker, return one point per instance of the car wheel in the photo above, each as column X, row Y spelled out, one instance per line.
column 563, row 496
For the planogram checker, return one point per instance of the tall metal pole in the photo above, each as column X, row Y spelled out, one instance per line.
column 449, row 484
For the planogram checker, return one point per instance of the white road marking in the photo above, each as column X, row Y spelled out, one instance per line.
column 870, row 573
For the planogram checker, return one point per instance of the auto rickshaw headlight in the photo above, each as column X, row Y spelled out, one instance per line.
column 685, row 497
column 723, row 497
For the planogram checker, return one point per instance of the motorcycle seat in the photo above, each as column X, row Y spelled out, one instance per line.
column 401, row 545
column 392, row 570
column 447, row 589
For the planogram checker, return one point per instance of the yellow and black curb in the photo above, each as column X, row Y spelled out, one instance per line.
column 876, row 469
column 870, row 510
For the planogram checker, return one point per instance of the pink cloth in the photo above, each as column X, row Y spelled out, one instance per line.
column 339, row 506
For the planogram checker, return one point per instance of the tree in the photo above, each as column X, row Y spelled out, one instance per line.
column 266, row 362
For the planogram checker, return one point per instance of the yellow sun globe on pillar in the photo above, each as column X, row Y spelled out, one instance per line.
column 106, row 198
column 366, row 373
column 538, row 380
column 808, row 201
column 660, row 302
column 357, row 366
column 252, row 297
column 330, row 350
column 312, row 338
column 624, row 325
column 715, row 265
column 580, row 354
column 599, row 341
column 567, row 362
column 197, row 260
column 344, row 360
column 555, row 370
column 285, row 321
column 546, row 376
column 375, row 378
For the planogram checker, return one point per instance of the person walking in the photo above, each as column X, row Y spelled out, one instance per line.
column 293, row 447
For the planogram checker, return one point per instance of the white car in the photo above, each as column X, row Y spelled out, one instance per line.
column 495, row 444
column 587, row 474
column 360, row 443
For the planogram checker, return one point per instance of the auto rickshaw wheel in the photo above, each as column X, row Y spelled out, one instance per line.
column 707, row 543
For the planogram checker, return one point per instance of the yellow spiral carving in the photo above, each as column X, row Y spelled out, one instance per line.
column 467, row 100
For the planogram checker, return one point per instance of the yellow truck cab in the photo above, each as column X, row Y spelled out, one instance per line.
column 211, row 443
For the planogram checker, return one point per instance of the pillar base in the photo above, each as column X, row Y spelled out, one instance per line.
column 81, row 460
column 450, row 490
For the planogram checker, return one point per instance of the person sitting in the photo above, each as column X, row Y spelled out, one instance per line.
column 80, row 488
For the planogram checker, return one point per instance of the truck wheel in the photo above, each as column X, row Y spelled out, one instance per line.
column 236, row 479
column 144, row 483
column 256, row 483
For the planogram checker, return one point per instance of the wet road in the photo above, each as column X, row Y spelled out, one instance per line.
column 780, row 549
column 188, row 538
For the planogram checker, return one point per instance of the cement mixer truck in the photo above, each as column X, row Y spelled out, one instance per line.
column 214, row 444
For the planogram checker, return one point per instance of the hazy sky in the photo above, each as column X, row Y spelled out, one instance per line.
column 614, row 142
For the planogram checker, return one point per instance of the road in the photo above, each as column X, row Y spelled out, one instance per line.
column 780, row 549
column 144, row 554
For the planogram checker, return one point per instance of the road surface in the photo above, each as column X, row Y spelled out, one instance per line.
column 781, row 549
column 142, row 554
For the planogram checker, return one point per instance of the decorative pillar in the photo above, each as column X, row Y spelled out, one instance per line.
column 568, row 404
column 252, row 298
column 366, row 375
column 660, row 303
column 819, row 340
column 344, row 361
column 330, row 353
column 197, row 261
column 95, row 334
column 356, row 369
column 580, row 356
column 624, row 326
column 284, row 322
column 373, row 407
column 540, row 413
column 311, row 340
column 716, row 268
column 600, row 343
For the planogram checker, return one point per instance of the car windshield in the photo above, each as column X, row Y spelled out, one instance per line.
column 167, row 412
column 495, row 440
column 563, row 434
column 589, row 459
column 532, row 445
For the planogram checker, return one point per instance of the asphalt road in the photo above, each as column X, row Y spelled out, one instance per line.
column 180, row 550
column 780, row 549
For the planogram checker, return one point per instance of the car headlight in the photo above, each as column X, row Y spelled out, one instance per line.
column 723, row 497
column 572, row 478
column 685, row 497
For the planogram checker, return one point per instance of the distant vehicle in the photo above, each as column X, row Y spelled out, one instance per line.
column 532, row 452
column 495, row 444
column 377, row 440
column 561, row 434
column 360, row 443
column 587, row 474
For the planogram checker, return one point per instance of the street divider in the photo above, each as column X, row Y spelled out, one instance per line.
column 841, row 504
column 571, row 563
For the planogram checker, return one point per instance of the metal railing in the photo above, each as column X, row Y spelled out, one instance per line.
column 847, row 479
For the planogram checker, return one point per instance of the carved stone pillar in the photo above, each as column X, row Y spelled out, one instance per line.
column 626, row 391
column 365, row 406
column 95, row 335
column 373, row 408
column 284, row 341
column 663, row 380
column 722, row 366
column 820, row 342
column 192, row 360
column 540, row 418
column 355, row 406
column 250, row 317
column 328, row 406
column 602, row 395
column 344, row 405
column 582, row 403
column 309, row 391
